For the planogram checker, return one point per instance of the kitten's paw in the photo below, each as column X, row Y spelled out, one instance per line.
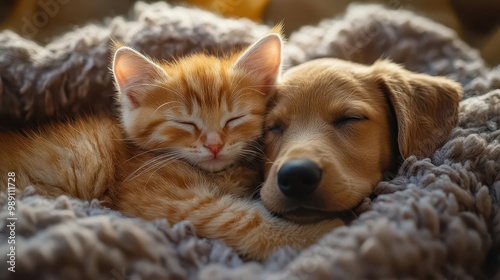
column 317, row 230
column 238, row 181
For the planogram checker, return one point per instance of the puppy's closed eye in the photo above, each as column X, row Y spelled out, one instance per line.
column 276, row 128
column 346, row 120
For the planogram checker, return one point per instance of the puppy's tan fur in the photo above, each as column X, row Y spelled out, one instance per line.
column 355, row 122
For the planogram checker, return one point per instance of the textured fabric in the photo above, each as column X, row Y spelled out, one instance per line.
column 437, row 218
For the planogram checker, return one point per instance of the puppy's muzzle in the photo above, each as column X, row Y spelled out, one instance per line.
column 299, row 178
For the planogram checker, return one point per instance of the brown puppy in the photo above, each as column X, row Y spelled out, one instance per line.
column 337, row 128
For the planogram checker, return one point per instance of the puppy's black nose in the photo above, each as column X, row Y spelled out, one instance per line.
column 299, row 178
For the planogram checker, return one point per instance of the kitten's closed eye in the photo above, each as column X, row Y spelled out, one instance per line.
column 186, row 124
column 234, row 121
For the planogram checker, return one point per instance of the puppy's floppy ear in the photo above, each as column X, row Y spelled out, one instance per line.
column 426, row 107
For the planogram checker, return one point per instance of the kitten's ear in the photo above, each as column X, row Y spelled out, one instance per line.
column 263, row 59
column 133, row 73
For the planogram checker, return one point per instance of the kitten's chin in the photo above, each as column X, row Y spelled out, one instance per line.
column 214, row 165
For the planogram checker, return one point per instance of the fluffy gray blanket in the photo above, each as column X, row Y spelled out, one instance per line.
column 438, row 218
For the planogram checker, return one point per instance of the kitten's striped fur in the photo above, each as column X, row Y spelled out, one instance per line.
column 186, row 130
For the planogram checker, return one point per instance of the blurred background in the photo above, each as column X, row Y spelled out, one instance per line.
column 477, row 22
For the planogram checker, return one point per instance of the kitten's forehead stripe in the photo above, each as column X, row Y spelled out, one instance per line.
column 184, row 85
column 217, row 80
column 200, row 85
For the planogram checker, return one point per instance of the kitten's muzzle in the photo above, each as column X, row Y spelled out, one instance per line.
column 299, row 178
column 214, row 148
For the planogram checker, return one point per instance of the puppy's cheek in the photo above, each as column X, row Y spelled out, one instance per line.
column 340, row 189
column 269, row 193
column 272, row 148
column 271, row 168
column 268, row 166
column 269, row 198
column 265, row 195
column 334, row 175
column 350, row 197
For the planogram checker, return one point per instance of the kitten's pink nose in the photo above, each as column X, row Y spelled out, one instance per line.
column 213, row 143
column 214, row 148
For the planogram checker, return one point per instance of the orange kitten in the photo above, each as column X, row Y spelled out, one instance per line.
column 190, row 128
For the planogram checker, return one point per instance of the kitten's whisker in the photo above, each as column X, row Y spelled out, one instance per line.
column 238, row 95
column 160, row 165
column 257, row 189
column 131, row 176
column 241, row 79
column 255, row 88
column 255, row 145
column 162, row 157
column 159, row 162
column 250, row 89
column 249, row 155
column 162, row 162
column 120, row 139
column 145, row 152
column 249, row 148
column 164, row 104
